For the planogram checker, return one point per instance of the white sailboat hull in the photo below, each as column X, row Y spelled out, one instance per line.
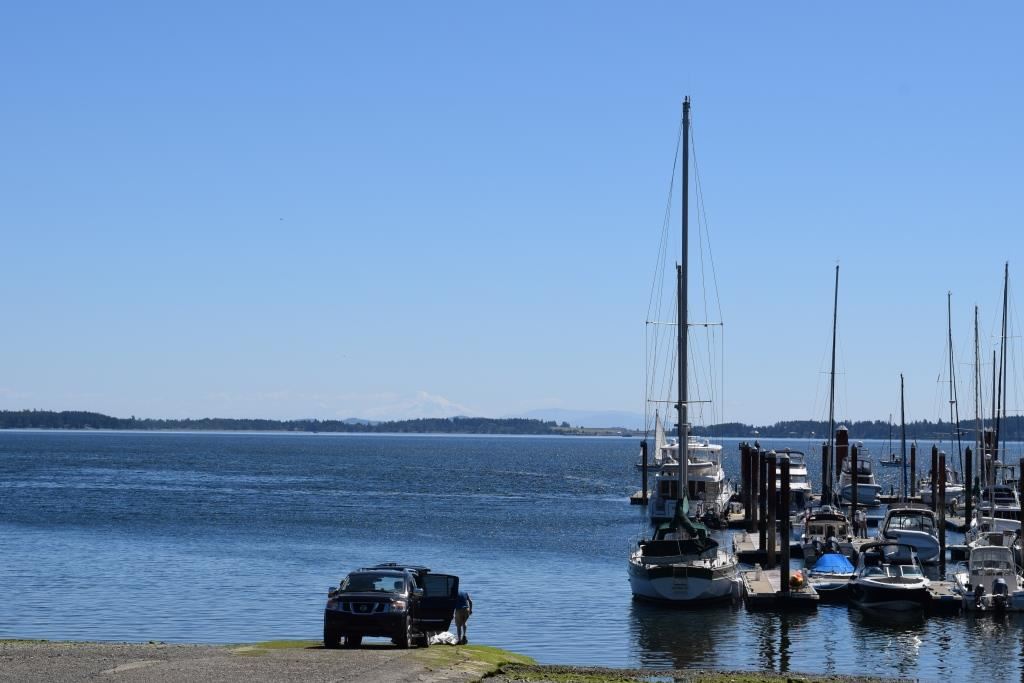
column 683, row 584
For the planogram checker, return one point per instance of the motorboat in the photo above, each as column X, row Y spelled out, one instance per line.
column 825, row 527
column 954, row 489
column 867, row 488
column 708, row 489
column 889, row 577
column 912, row 525
column 830, row 576
column 990, row 580
column 799, row 482
column 1000, row 501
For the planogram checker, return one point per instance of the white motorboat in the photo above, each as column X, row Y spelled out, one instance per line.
column 825, row 528
column 799, row 483
column 708, row 489
column 990, row 580
column 954, row 489
column 889, row 577
column 867, row 488
column 830, row 576
column 913, row 525
column 1000, row 501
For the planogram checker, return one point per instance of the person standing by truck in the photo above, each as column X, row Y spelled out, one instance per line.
column 463, row 609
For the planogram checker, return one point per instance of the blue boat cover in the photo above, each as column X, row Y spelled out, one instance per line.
column 833, row 563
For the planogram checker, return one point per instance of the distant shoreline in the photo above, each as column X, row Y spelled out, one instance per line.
column 1011, row 428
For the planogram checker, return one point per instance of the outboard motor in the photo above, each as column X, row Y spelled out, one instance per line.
column 979, row 594
column 1000, row 594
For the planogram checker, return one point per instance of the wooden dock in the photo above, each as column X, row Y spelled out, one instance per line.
column 762, row 590
column 944, row 599
column 749, row 551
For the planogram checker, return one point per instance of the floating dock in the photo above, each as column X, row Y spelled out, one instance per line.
column 762, row 590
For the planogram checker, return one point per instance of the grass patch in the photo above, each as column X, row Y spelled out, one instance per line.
column 570, row 674
column 480, row 659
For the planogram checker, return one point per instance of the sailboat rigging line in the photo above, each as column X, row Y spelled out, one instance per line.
column 652, row 343
column 1001, row 405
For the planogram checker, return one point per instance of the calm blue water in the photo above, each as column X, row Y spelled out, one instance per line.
column 235, row 537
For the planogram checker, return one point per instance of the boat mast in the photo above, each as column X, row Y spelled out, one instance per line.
column 903, row 441
column 1001, row 405
column 682, row 326
column 954, row 409
column 979, row 439
column 827, row 477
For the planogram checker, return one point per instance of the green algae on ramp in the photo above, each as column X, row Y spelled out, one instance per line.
column 481, row 660
column 516, row 673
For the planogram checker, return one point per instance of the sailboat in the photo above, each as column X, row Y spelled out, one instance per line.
column 681, row 564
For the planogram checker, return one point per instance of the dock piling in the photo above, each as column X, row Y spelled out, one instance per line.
column 933, row 477
column 968, row 485
column 913, row 471
column 772, row 496
column 942, row 513
column 784, row 533
column 826, row 490
column 643, row 471
column 762, row 502
column 1020, row 487
column 854, row 479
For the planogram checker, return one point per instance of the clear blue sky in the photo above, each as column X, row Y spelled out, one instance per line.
column 399, row 209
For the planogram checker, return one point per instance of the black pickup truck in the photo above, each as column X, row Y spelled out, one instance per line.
column 406, row 603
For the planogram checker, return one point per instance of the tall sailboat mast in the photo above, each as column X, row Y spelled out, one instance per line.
column 827, row 477
column 954, row 408
column 682, row 322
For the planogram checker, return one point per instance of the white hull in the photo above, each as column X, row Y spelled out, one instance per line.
column 925, row 545
column 867, row 494
column 952, row 493
column 677, row 585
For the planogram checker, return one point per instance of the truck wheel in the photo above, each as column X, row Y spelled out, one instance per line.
column 353, row 641
column 331, row 638
column 404, row 637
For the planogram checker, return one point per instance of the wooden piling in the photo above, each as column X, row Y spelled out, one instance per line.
column 942, row 513
column 643, row 471
column 762, row 499
column 968, row 484
column 784, row 533
column 913, row 471
column 854, row 482
column 745, row 482
column 842, row 450
column 755, row 484
column 770, row 460
column 934, row 477
column 826, row 489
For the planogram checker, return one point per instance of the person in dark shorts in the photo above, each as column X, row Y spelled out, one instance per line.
column 463, row 608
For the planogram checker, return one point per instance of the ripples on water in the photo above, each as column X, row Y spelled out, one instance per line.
column 235, row 537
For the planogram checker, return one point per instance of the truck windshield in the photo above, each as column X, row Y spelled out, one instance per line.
column 369, row 583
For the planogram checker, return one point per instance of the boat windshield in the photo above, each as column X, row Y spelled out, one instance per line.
column 911, row 522
column 911, row 570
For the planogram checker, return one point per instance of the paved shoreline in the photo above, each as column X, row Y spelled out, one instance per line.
column 285, row 661
column 29, row 661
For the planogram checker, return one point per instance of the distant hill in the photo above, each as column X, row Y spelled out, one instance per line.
column 608, row 419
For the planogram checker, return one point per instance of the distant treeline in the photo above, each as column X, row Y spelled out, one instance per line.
column 74, row 419
column 1010, row 428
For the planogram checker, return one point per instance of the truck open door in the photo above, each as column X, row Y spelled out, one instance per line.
column 437, row 605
